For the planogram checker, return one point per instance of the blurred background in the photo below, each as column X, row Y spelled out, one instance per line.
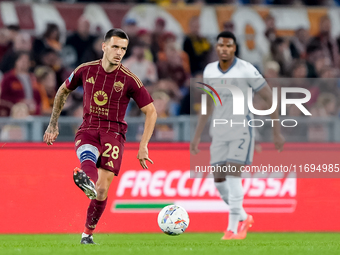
column 171, row 41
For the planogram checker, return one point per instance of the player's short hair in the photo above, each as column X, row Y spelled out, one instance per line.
column 115, row 32
column 226, row 34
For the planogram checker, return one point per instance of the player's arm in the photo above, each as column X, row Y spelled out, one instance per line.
column 278, row 139
column 150, row 120
column 202, row 121
column 52, row 132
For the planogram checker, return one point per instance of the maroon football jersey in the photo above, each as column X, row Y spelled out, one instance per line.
column 107, row 95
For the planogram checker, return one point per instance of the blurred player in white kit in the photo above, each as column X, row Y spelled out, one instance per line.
column 233, row 145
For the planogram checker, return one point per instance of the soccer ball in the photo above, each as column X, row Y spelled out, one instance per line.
column 173, row 220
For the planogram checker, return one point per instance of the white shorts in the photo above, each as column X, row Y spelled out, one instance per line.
column 240, row 151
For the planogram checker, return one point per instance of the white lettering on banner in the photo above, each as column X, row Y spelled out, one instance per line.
column 208, row 186
column 127, row 181
column 141, row 184
column 182, row 190
column 175, row 183
column 289, row 186
column 270, row 185
column 156, row 184
column 195, row 186
column 168, row 190
column 274, row 187
column 258, row 187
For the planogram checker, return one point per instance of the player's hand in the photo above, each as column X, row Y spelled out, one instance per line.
column 51, row 134
column 279, row 141
column 194, row 146
column 143, row 156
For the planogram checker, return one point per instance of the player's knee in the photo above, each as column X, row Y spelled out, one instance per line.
column 102, row 193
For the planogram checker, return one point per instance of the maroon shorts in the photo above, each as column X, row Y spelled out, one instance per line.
column 110, row 146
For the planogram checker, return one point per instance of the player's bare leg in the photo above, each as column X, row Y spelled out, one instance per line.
column 229, row 185
column 97, row 206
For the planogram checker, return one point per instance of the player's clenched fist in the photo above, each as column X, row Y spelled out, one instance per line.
column 51, row 134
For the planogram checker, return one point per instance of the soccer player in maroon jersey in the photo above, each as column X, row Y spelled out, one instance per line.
column 99, row 142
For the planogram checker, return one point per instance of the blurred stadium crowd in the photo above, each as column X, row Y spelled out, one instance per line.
column 181, row 2
column 33, row 67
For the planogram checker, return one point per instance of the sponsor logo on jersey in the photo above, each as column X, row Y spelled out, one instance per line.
column 90, row 80
column 109, row 164
column 118, row 86
column 100, row 98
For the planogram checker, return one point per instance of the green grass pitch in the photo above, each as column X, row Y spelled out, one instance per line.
column 188, row 243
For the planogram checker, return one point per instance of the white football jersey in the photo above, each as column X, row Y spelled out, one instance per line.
column 243, row 75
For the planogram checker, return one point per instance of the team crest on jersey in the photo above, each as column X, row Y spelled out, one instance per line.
column 100, row 98
column 118, row 86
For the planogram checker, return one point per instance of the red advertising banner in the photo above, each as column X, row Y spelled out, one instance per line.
column 39, row 196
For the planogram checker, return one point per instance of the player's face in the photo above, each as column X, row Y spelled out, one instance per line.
column 225, row 48
column 115, row 49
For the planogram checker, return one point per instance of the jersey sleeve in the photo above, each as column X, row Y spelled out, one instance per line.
column 205, row 74
column 206, row 77
column 255, row 79
column 74, row 80
column 139, row 93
